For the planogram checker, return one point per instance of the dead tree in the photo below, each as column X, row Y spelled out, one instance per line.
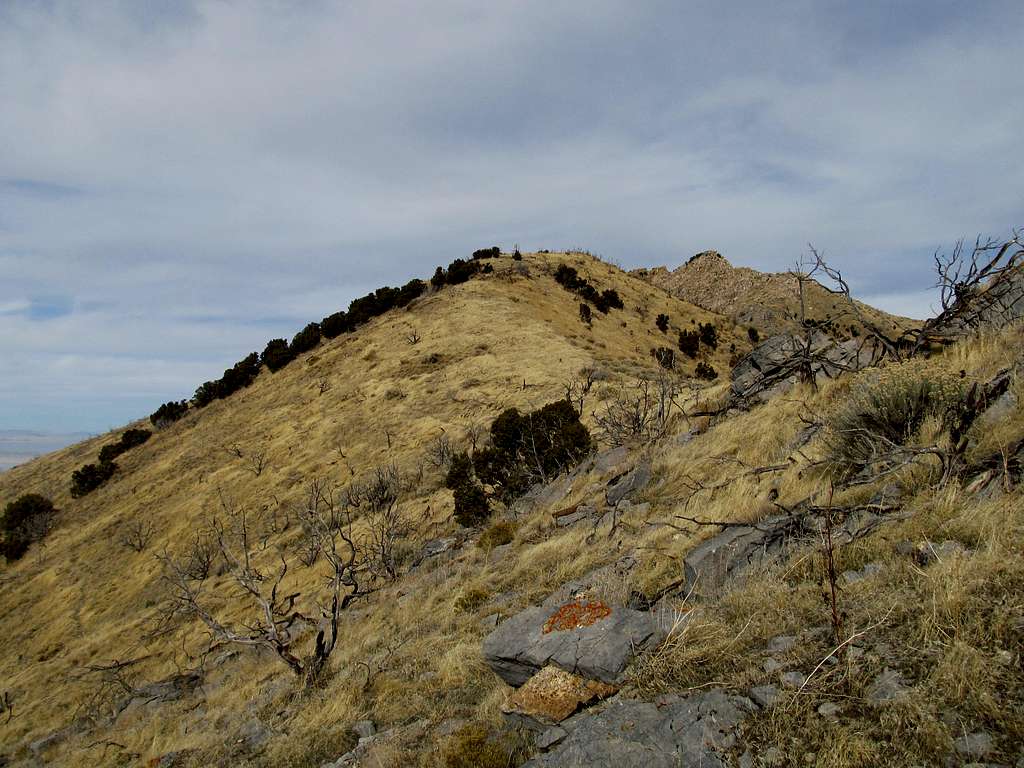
column 259, row 572
column 440, row 451
column 976, row 289
column 643, row 413
column 257, row 462
column 579, row 386
column 136, row 535
column 386, row 528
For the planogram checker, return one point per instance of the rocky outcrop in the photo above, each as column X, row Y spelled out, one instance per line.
column 779, row 362
column 575, row 633
column 671, row 732
column 714, row 563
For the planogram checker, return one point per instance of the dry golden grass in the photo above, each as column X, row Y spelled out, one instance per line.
column 410, row 656
column 493, row 343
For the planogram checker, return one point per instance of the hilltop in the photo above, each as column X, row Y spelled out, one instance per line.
column 766, row 301
column 667, row 564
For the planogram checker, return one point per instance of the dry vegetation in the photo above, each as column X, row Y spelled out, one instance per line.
column 408, row 655
column 83, row 598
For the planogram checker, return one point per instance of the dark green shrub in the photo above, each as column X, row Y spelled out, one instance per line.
column 516, row 255
column 411, row 290
column 471, row 507
column 662, row 323
column 363, row 309
column 585, row 314
column 460, row 271
column 306, row 339
column 168, row 413
column 205, row 394
column 705, row 371
column 488, row 269
column 532, row 447
column 90, row 477
column 487, row 253
column 276, row 355
column 610, row 297
column 240, row 375
column 439, row 279
column 753, row 335
column 665, row 356
column 460, row 471
column 689, row 343
column 129, row 439
column 567, row 277
column 25, row 520
column 708, row 335
column 335, row 325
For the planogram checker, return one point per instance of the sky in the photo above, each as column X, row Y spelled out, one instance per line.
column 182, row 181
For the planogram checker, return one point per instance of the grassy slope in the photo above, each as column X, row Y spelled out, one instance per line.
column 84, row 599
column 413, row 653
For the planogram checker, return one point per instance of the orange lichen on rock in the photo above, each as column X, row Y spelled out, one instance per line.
column 553, row 694
column 577, row 614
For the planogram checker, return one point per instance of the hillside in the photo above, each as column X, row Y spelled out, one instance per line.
column 766, row 301
column 98, row 670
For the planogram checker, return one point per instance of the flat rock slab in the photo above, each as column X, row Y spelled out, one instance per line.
column 714, row 563
column 553, row 695
column 672, row 732
column 580, row 635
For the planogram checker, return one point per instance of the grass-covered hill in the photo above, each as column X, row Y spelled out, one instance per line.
column 136, row 627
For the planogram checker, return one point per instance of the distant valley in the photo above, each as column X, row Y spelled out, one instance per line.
column 18, row 445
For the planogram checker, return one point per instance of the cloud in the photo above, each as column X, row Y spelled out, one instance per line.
column 212, row 174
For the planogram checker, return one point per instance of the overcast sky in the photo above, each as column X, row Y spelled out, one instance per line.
column 180, row 182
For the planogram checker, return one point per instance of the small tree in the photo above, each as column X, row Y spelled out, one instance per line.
column 168, row 413
column 276, row 355
column 708, row 335
column 689, row 343
column 90, row 477
column 25, row 520
column 585, row 314
column 662, row 322
column 305, row 340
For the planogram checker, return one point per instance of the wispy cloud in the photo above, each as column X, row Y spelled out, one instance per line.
column 211, row 174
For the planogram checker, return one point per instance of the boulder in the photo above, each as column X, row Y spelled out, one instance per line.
column 774, row 365
column 672, row 732
column 628, row 483
column 579, row 635
column 551, row 696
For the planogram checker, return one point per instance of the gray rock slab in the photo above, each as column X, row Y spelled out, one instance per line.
column 765, row 695
column 519, row 646
column 886, row 687
column 974, row 745
column 629, row 483
column 673, row 732
column 711, row 565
